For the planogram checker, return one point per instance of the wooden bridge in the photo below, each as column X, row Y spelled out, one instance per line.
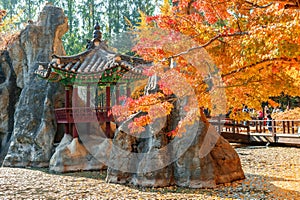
column 255, row 131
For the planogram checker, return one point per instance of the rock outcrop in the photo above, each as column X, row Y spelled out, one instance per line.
column 34, row 126
column 199, row 158
column 203, row 162
column 9, row 95
column 71, row 156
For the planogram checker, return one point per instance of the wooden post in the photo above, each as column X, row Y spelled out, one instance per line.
column 293, row 130
column 256, row 126
column 248, row 131
column 75, row 102
column 219, row 124
column 274, row 123
column 102, row 101
column 88, row 103
column 75, row 132
column 288, row 126
column 75, row 96
column 233, row 126
column 283, row 124
column 88, row 95
column 96, row 99
column 67, row 106
column 107, row 127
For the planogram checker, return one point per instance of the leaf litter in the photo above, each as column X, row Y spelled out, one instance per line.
column 271, row 173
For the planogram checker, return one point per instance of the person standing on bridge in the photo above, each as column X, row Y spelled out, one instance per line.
column 269, row 122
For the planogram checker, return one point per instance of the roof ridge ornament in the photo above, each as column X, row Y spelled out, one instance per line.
column 97, row 38
column 97, row 33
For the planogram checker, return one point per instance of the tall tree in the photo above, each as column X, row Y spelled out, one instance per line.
column 246, row 51
column 10, row 7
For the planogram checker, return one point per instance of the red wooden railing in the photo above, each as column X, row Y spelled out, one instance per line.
column 83, row 115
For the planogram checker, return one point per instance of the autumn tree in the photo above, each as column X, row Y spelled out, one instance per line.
column 244, row 52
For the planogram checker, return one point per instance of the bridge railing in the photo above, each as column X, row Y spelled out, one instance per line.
column 256, row 126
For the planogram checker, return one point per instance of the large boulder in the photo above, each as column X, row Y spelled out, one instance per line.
column 71, row 156
column 210, row 160
column 201, row 160
column 197, row 158
column 83, row 153
column 34, row 125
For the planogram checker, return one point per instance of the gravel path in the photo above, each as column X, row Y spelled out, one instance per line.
column 272, row 173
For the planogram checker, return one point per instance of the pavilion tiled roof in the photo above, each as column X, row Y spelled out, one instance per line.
column 97, row 62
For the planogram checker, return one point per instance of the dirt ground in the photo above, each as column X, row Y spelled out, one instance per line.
column 271, row 173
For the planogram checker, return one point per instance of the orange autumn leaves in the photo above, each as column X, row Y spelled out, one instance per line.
column 253, row 49
column 152, row 106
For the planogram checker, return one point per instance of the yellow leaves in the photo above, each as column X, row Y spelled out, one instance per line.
column 8, row 31
column 128, row 22
column 166, row 8
column 143, row 23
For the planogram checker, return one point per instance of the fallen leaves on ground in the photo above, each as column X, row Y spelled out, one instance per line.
column 271, row 173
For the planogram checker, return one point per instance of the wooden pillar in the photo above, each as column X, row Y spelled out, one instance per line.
column 68, row 91
column 219, row 125
column 108, row 97
column 75, row 101
column 75, row 132
column 88, row 96
column 96, row 98
column 75, row 96
column 107, row 127
column 102, row 100
column 88, row 103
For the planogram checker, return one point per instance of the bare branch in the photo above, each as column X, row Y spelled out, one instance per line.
column 255, row 64
column 241, row 84
column 208, row 43
column 258, row 6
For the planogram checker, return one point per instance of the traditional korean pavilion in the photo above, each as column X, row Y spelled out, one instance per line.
column 95, row 66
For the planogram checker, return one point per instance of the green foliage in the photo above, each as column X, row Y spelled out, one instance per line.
column 72, row 43
column 82, row 16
